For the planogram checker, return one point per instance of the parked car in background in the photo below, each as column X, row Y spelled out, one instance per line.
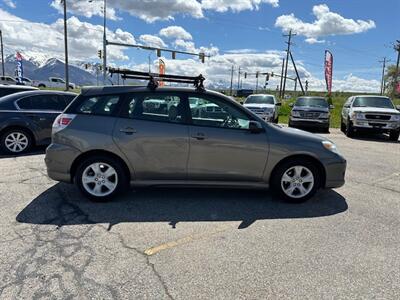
column 26, row 118
column 11, row 89
column 108, row 138
column 264, row 105
column 310, row 112
column 370, row 114
column 7, row 80
column 25, row 81
column 53, row 82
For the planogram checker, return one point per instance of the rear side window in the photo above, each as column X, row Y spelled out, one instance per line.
column 158, row 107
column 98, row 105
column 42, row 102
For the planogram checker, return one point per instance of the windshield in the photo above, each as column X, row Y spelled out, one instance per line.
column 380, row 102
column 313, row 102
column 261, row 99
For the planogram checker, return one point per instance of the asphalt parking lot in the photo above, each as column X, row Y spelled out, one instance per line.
column 203, row 244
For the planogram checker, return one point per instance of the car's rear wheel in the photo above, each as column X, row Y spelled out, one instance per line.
column 296, row 180
column 342, row 126
column 16, row 141
column 394, row 135
column 100, row 178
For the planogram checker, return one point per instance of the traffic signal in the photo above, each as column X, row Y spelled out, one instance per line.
column 267, row 77
column 86, row 66
column 245, row 74
column 202, row 57
column 257, row 74
column 306, row 85
column 99, row 54
column 272, row 74
column 158, row 53
column 173, row 55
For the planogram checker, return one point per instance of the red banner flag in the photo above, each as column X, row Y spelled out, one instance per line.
column 161, row 70
column 328, row 70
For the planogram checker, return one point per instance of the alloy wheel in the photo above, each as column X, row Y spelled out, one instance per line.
column 100, row 179
column 297, row 182
column 16, row 142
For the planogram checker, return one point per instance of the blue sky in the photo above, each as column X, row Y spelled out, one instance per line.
column 251, row 24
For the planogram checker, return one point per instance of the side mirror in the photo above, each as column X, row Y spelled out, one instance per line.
column 241, row 102
column 278, row 103
column 291, row 104
column 331, row 106
column 255, row 127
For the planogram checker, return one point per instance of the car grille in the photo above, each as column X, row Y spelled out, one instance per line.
column 309, row 115
column 377, row 117
column 256, row 110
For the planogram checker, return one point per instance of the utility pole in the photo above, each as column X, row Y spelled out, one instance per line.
column 2, row 51
column 65, row 45
column 238, row 87
column 396, row 76
column 297, row 73
column 257, row 81
column 280, row 86
column 384, row 61
column 105, row 44
column 289, row 43
column 231, row 81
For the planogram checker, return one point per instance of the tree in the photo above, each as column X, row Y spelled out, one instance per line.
column 390, row 81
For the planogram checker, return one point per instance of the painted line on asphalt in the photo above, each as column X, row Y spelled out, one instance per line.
column 185, row 240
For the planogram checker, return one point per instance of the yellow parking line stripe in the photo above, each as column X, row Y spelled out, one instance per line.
column 185, row 240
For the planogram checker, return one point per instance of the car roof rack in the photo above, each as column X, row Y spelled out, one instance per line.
column 153, row 78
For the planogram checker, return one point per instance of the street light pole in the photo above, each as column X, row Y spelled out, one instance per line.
column 66, row 45
column 2, row 52
column 105, row 44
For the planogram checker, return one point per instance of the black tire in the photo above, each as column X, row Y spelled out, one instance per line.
column 342, row 126
column 6, row 134
column 71, row 87
column 276, row 121
column 41, row 86
column 326, row 129
column 394, row 135
column 283, row 168
column 121, row 177
column 349, row 129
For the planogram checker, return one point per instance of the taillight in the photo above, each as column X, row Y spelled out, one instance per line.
column 61, row 122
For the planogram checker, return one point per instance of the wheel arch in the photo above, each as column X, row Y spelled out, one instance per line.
column 20, row 127
column 307, row 157
column 79, row 159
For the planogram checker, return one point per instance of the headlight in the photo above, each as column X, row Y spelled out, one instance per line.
column 324, row 115
column 329, row 146
column 396, row 118
column 268, row 110
column 357, row 115
column 295, row 113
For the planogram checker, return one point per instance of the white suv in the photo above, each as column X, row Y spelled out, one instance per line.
column 263, row 105
column 370, row 113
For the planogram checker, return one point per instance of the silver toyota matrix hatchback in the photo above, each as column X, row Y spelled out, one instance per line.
column 111, row 137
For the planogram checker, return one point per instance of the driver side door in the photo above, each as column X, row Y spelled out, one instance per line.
column 221, row 146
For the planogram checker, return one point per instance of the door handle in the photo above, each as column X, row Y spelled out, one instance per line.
column 199, row 136
column 128, row 130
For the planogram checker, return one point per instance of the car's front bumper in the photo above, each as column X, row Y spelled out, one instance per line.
column 376, row 125
column 59, row 159
column 299, row 122
column 335, row 170
column 265, row 117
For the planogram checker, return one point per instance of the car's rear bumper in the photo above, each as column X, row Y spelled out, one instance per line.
column 335, row 173
column 297, row 122
column 59, row 159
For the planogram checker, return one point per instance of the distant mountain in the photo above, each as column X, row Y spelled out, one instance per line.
column 37, row 69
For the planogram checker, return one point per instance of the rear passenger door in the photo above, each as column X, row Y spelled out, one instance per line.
column 152, row 132
column 42, row 110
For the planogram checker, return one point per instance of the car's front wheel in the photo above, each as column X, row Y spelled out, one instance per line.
column 349, row 129
column 394, row 135
column 100, row 178
column 296, row 180
column 15, row 141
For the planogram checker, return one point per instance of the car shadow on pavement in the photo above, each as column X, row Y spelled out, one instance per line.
column 35, row 151
column 63, row 205
column 377, row 137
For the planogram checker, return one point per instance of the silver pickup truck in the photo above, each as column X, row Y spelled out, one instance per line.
column 371, row 114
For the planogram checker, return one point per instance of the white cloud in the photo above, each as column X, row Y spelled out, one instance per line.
column 314, row 41
column 38, row 38
column 175, row 32
column 152, row 41
column 236, row 5
column 149, row 10
column 10, row 3
column 190, row 47
column 238, row 51
column 327, row 23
